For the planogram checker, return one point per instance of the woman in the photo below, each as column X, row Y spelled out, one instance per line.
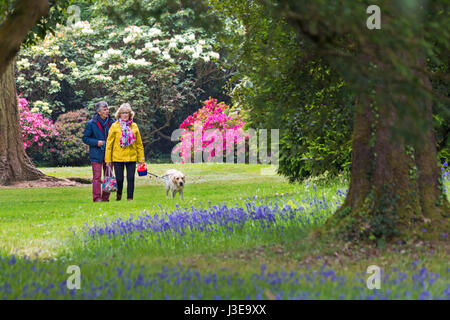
column 124, row 148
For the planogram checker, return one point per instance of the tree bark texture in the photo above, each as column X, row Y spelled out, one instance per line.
column 15, row 165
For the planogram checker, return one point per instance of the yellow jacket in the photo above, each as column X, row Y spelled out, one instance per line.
column 134, row 152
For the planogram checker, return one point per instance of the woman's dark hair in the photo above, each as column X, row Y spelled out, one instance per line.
column 100, row 105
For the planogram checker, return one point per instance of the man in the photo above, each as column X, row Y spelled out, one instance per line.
column 95, row 135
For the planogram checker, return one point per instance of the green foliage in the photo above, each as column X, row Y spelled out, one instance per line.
column 441, row 109
column 48, row 24
column 180, row 15
column 316, row 137
column 67, row 149
column 279, row 85
column 275, row 43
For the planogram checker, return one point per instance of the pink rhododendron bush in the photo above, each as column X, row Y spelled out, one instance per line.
column 36, row 129
column 217, row 130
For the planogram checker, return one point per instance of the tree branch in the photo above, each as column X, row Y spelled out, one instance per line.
column 16, row 27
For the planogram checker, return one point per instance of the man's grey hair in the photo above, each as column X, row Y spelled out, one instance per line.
column 100, row 105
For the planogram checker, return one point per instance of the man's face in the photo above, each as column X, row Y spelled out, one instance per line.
column 104, row 112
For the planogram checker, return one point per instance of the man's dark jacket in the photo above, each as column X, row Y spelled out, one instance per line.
column 96, row 130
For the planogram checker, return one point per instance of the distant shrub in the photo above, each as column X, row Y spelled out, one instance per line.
column 68, row 149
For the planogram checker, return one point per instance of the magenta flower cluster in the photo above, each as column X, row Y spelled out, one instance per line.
column 36, row 129
column 212, row 116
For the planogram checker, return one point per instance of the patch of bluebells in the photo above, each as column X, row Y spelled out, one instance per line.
column 19, row 280
column 265, row 215
column 445, row 173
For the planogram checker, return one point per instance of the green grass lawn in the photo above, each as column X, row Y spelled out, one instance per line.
column 38, row 220
column 39, row 223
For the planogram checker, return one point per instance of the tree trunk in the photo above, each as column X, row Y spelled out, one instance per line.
column 394, row 190
column 426, row 159
column 15, row 165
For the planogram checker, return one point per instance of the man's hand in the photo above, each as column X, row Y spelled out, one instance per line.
column 100, row 143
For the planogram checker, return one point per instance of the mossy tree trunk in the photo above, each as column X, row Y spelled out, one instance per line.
column 394, row 189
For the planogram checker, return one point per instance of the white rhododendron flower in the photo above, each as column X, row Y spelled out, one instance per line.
column 85, row 27
column 23, row 63
column 155, row 50
column 102, row 77
column 99, row 63
column 214, row 55
column 138, row 52
column 149, row 45
column 191, row 37
column 138, row 62
column 154, row 32
column 133, row 29
column 172, row 44
column 166, row 55
column 112, row 52
column 87, row 31
column 97, row 55
column 180, row 39
column 128, row 39
column 188, row 49
column 78, row 25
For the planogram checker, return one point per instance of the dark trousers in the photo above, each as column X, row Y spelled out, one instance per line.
column 118, row 170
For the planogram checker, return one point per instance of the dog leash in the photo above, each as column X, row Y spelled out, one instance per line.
column 161, row 177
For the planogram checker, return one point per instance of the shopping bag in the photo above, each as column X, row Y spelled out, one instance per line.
column 109, row 183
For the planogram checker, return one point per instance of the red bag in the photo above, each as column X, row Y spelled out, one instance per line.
column 142, row 169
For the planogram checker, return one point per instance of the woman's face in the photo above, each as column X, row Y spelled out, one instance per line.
column 125, row 115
